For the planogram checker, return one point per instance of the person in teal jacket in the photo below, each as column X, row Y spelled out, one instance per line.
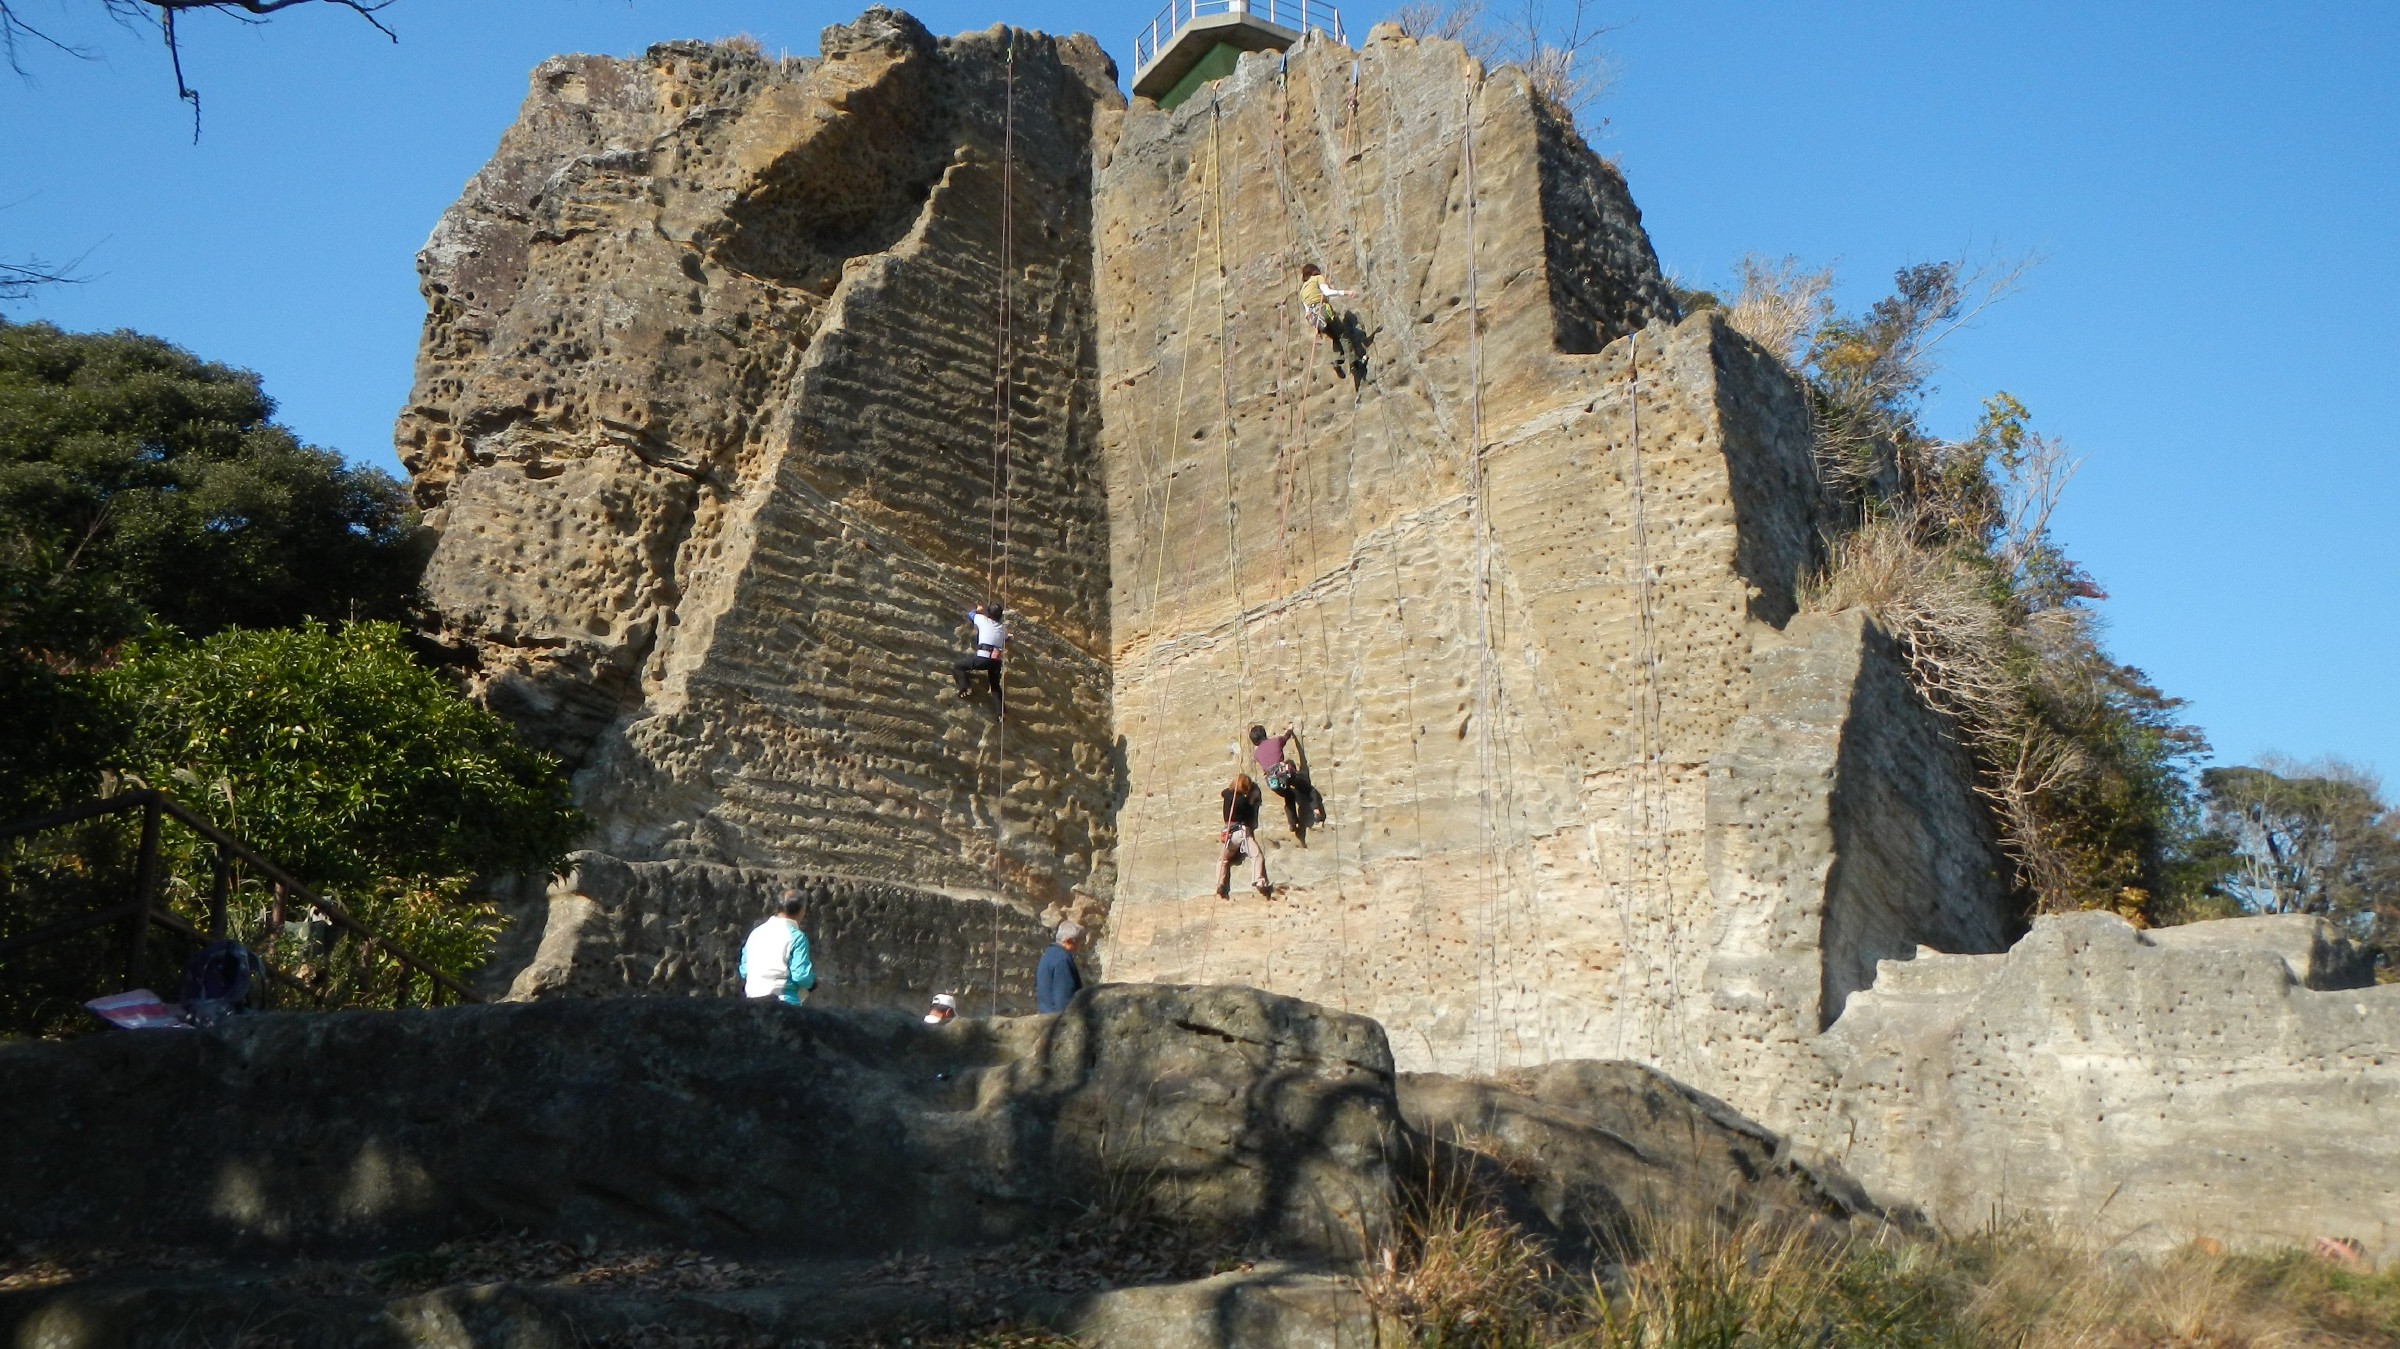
column 775, row 962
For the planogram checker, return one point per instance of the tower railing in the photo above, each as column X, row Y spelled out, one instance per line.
column 1300, row 16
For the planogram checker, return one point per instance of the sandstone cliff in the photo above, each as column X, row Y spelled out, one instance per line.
column 1526, row 584
column 704, row 417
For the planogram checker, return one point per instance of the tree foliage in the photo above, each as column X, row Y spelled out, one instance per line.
column 140, row 484
column 142, row 487
column 1948, row 543
column 2308, row 838
column 192, row 598
column 333, row 753
column 336, row 753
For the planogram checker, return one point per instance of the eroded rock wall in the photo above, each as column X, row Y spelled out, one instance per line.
column 2232, row 1080
column 1528, row 590
column 702, row 418
column 705, row 1122
column 705, row 418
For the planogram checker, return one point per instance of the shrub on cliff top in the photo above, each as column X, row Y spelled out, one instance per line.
column 1947, row 543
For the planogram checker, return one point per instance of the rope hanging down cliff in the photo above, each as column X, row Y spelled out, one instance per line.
column 1003, row 471
column 1004, row 349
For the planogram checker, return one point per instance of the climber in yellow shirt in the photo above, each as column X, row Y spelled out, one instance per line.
column 1316, row 300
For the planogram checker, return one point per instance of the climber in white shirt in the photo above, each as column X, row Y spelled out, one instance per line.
column 991, row 647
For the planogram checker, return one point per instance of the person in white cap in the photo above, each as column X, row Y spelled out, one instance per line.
column 945, row 1006
column 1055, row 980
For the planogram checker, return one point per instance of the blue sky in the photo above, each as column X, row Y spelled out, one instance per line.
column 2213, row 188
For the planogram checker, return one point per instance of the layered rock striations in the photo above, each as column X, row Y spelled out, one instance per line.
column 1526, row 580
column 705, row 417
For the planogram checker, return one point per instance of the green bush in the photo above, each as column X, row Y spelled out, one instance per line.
column 337, row 756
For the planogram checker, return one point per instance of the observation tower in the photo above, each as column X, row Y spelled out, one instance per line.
column 1192, row 42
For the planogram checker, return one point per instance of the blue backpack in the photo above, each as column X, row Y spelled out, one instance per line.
column 218, row 981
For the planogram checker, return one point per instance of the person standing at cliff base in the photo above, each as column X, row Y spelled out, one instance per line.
column 775, row 961
column 991, row 648
column 1239, row 836
column 1056, row 981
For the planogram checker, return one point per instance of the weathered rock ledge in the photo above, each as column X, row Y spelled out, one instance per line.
column 814, row 1148
column 2237, row 1080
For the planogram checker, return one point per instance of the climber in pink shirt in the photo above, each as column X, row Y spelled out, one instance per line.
column 1287, row 777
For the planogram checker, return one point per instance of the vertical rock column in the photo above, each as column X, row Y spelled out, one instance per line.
column 705, row 416
column 1526, row 582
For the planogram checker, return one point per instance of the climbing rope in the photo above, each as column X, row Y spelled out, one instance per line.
column 1233, row 550
column 1233, row 545
column 1004, row 348
column 1645, row 869
column 1161, row 535
column 1003, row 480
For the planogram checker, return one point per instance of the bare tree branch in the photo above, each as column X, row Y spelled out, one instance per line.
column 16, row 33
column 20, row 279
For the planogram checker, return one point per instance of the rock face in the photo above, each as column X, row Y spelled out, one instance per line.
column 705, row 1122
column 715, row 423
column 1592, row 1148
column 2234, row 1080
column 1526, row 581
column 809, row 1147
column 705, row 417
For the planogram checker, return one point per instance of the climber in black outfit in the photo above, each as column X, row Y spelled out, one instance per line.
column 991, row 649
column 1239, row 837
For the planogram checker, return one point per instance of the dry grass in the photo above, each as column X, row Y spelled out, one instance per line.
column 1942, row 611
column 1781, row 304
column 1952, row 622
column 1462, row 1276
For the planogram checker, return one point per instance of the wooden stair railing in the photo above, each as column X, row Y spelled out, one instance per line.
column 144, row 911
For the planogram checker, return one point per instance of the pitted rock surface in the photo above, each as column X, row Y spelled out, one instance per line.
column 704, row 417
column 1526, row 584
column 2233, row 1080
